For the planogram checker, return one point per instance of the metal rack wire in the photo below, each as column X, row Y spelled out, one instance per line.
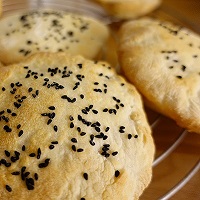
column 83, row 7
column 167, row 153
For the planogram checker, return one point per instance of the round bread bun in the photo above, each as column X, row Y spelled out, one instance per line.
column 163, row 61
column 24, row 34
column 127, row 9
column 71, row 129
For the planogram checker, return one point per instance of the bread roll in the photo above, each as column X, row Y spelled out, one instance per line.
column 127, row 9
column 163, row 61
column 24, row 34
column 71, row 129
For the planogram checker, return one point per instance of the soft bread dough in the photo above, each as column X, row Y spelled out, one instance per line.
column 71, row 129
column 24, row 34
column 163, row 61
column 127, row 9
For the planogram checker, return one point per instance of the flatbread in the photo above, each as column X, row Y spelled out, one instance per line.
column 163, row 61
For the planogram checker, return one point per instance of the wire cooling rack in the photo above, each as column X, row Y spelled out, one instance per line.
column 171, row 170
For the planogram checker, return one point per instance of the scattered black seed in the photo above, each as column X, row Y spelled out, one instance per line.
column 179, row 77
column 3, row 88
column 32, row 155
column 114, row 153
column 30, row 183
column 51, row 146
column 7, row 128
column 49, row 121
column 26, row 174
column 71, row 125
column 82, row 96
column 105, row 110
column 71, row 118
column 55, row 128
column 82, row 198
column 17, row 105
column 73, row 147
column 8, row 188
column 80, row 66
column 52, row 108
column 95, row 111
column 82, row 133
column 117, row 173
column 39, row 153
column 85, row 175
column 45, row 164
column 79, row 150
column 23, row 148
column 7, row 153
column 74, row 140
column 129, row 136
column 54, row 142
column 20, row 133
column 14, row 114
column 36, row 176
column 15, row 173
column 18, row 126
column 183, row 67
column 136, row 136
column 9, row 111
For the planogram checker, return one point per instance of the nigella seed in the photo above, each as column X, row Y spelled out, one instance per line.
column 136, row 136
column 7, row 153
column 82, row 133
column 179, row 77
column 85, row 175
column 82, row 96
column 129, row 136
column 107, row 129
column 54, row 142
column 55, row 128
column 39, row 153
column 71, row 125
column 20, row 133
column 114, row 153
column 45, row 164
column 23, row 148
column 117, row 173
column 74, row 140
column 73, row 147
column 36, row 176
column 26, row 174
column 79, row 150
column 51, row 147
column 52, row 108
column 15, row 173
column 8, row 188
column 32, row 155
column 9, row 111
column 71, row 118
column 49, row 121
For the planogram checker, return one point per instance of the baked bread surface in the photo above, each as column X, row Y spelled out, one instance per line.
column 163, row 61
column 25, row 33
column 71, row 129
column 127, row 9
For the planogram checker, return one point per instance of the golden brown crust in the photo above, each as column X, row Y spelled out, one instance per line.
column 87, row 121
column 163, row 61
column 27, row 33
column 129, row 9
column 0, row 8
